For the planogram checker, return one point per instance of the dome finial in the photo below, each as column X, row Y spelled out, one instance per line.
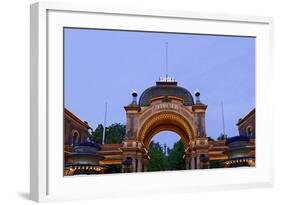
column 135, row 96
column 197, row 96
column 166, row 79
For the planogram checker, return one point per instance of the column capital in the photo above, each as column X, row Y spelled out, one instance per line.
column 199, row 107
column 132, row 109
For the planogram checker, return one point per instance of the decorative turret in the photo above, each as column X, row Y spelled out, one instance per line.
column 133, row 106
column 240, row 153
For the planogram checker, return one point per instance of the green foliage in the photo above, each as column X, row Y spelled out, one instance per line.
column 222, row 137
column 215, row 164
column 114, row 134
column 114, row 168
column 96, row 135
column 159, row 162
column 210, row 139
column 175, row 157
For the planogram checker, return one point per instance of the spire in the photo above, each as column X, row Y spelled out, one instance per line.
column 167, row 59
column 104, row 124
column 222, row 113
column 166, row 77
column 165, row 149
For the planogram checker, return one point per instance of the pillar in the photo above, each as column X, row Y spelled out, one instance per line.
column 199, row 114
column 145, row 165
column 139, row 165
column 192, row 163
column 187, row 164
column 134, row 165
column 198, row 162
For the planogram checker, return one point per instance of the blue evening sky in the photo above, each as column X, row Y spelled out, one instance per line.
column 105, row 66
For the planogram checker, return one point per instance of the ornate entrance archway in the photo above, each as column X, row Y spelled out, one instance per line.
column 165, row 121
column 165, row 106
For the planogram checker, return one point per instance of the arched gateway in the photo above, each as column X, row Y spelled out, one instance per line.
column 165, row 106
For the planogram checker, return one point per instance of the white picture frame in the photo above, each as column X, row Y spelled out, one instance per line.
column 46, row 169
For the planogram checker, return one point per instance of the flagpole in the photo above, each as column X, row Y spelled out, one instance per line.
column 223, row 125
column 167, row 60
column 104, row 124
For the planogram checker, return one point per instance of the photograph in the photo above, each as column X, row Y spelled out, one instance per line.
column 148, row 101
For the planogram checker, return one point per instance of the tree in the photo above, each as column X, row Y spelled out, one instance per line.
column 222, row 137
column 96, row 135
column 215, row 164
column 114, row 134
column 175, row 157
column 210, row 139
column 157, row 160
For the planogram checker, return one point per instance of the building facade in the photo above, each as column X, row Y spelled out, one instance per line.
column 75, row 130
column 165, row 106
column 247, row 125
column 241, row 149
column 80, row 155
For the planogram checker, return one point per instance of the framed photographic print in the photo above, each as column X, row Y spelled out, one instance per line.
column 124, row 98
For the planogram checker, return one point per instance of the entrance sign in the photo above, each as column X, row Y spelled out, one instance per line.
column 166, row 106
column 174, row 111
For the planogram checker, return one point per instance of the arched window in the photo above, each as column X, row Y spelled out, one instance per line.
column 75, row 137
column 249, row 132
